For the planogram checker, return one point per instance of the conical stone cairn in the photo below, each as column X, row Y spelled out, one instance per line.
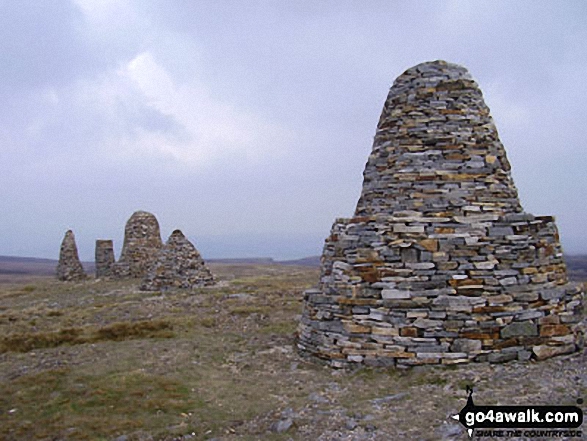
column 142, row 241
column 177, row 265
column 440, row 264
column 69, row 268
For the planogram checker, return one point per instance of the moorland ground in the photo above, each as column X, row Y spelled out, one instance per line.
column 103, row 360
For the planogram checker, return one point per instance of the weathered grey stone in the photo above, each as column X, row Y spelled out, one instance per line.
column 488, row 265
column 553, row 293
column 282, row 426
column 520, row 329
column 466, row 345
column 458, row 303
column 500, row 231
column 501, row 357
column 69, row 268
column 524, row 355
column 393, row 294
column 529, row 315
column 427, row 323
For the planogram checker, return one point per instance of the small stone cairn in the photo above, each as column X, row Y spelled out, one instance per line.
column 177, row 265
column 104, row 258
column 69, row 268
column 440, row 264
column 142, row 241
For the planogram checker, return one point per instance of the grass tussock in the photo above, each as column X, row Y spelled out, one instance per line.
column 25, row 342
column 143, row 329
column 28, row 341
column 250, row 309
column 207, row 322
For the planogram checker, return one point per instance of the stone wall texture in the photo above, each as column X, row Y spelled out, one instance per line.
column 177, row 265
column 104, row 258
column 142, row 241
column 69, row 268
column 440, row 264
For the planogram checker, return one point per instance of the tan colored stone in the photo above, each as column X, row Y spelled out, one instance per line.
column 554, row 330
column 408, row 331
column 543, row 352
column 429, row 244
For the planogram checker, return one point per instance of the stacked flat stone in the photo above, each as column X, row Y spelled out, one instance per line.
column 142, row 241
column 69, row 268
column 177, row 265
column 440, row 264
column 104, row 258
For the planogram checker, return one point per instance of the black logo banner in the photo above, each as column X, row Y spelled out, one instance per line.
column 474, row 417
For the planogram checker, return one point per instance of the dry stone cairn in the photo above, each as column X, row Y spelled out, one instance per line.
column 104, row 258
column 177, row 265
column 439, row 264
column 142, row 241
column 69, row 268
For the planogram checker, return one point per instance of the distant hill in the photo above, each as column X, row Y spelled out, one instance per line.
column 306, row 261
column 27, row 266
column 245, row 260
column 577, row 267
column 33, row 266
column 9, row 265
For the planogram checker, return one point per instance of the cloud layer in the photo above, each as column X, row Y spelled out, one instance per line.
column 248, row 124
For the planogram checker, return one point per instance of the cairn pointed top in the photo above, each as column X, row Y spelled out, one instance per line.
column 176, row 234
column 430, row 67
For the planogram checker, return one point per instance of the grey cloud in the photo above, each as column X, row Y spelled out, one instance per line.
column 316, row 71
column 41, row 44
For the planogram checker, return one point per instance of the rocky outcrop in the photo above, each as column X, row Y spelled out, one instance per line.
column 177, row 265
column 440, row 264
column 69, row 268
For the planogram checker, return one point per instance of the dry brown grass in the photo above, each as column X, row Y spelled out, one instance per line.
column 98, row 360
column 24, row 342
column 150, row 363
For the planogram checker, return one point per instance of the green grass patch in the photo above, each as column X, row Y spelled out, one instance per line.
column 91, row 407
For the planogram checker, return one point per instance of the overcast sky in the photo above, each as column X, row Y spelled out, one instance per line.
column 247, row 124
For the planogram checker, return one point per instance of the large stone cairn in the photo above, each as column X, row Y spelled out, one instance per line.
column 69, row 268
column 177, row 265
column 440, row 264
column 142, row 241
column 104, row 258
